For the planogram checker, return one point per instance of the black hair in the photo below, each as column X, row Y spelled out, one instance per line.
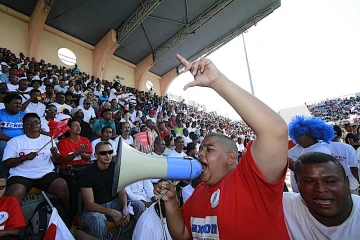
column 60, row 93
column 157, row 140
column 178, row 138
column 337, row 131
column 104, row 111
column 103, row 129
column 68, row 94
column 3, row 175
column 168, row 140
column 34, row 90
column 190, row 146
column 317, row 158
column 71, row 121
column 9, row 97
column 100, row 144
column 29, row 115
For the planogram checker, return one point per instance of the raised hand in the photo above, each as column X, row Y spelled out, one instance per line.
column 205, row 73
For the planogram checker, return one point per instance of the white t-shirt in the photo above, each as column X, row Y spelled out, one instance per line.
column 38, row 108
column 22, row 145
column 346, row 155
column 149, row 226
column 60, row 108
column 12, row 87
column 295, row 152
column 129, row 141
column 88, row 113
column 187, row 140
column 187, row 191
column 96, row 141
column 141, row 190
column 112, row 94
column 174, row 153
column 302, row 225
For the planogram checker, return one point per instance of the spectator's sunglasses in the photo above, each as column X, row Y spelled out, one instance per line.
column 103, row 153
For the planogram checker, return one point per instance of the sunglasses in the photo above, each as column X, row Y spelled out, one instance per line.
column 103, row 153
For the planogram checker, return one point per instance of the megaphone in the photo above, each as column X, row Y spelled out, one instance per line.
column 132, row 166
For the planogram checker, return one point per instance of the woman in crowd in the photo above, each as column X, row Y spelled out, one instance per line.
column 75, row 152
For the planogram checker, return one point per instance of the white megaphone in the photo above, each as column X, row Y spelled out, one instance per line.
column 132, row 166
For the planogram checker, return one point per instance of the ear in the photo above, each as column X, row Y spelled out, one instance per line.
column 347, row 182
column 232, row 157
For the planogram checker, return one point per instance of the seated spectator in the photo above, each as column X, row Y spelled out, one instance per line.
column 75, row 152
column 125, row 134
column 50, row 115
column 11, row 119
column 191, row 150
column 169, row 144
column 151, row 225
column 141, row 191
column 102, row 122
column 186, row 137
column 11, row 217
column 33, row 104
column 105, row 105
column 152, row 116
column 187, row 191
column 30, row 168
column 4, row 76
column 78, row 115
column 163, row 131
column 23, row 90
column 61, row 87
column 62, row 107
column 48, row 96
column 100, row 204
column 106, row 134
column 69, row 99
column 152, row 132
column 179, row 147
column 13, row 83
column 89, row 112
column 178, row 129
column 324, row 208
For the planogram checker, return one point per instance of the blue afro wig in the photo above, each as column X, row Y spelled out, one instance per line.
column 315, row 127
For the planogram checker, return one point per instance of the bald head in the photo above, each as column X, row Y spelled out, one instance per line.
column 227, row 143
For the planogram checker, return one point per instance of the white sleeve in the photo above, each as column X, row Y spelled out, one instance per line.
column 132, row 195
column 10, row 150
column 93, row 113
column 149, row 188
column 92, row 157
column 351, row 157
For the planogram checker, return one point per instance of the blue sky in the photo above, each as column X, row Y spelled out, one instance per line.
column 304, row 51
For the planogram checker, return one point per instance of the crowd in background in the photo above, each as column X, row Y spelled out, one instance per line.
column 334, row 110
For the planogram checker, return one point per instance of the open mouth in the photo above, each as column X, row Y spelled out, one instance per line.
column 324, row 202
column 204, row 166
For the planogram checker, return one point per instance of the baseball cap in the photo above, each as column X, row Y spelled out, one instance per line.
column 74, row 111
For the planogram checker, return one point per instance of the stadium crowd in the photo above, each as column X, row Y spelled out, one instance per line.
column 33, row 93
column 335, row 110
column 242, row 179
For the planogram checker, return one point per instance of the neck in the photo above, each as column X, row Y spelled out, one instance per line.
column 33, row 134
column 101, row 166
column 78, row 119
column 336, row 220
column 125, row 136
column 74, row 136
column 178, row 150
column 11, row 113
column 157, row 152
column 49, row 118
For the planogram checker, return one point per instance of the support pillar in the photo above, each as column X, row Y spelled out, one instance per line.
column 142, row 69
column 104, row 49
column 36, row 25
column 166, row 80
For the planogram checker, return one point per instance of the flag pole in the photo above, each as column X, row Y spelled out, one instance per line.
column 47, row 199
column 248, row 66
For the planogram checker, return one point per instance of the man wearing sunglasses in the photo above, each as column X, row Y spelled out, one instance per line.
column 11, row 216
column 100, row 205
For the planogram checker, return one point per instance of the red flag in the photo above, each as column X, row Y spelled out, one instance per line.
column 58, row 128
column 143, row 138
column 57, row 229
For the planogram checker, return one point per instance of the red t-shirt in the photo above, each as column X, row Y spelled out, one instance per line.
column 66, row 147
column 241, row 206
column 11, row 216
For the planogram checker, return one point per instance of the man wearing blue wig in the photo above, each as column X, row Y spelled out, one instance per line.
column 308, row 133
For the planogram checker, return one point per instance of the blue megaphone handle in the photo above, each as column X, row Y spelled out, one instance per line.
column 182, row 168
